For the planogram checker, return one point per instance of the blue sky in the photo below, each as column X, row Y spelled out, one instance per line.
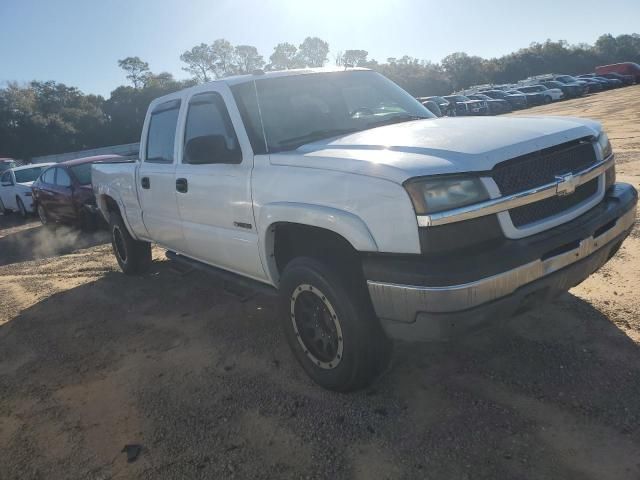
column 78, row 42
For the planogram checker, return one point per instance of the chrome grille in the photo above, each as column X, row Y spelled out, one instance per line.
column 540, row 168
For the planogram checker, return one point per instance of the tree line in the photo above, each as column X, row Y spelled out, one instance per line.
column 48, row 117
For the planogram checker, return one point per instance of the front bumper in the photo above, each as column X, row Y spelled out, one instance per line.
column 420, row 311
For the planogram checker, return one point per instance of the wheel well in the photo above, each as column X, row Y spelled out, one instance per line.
column 291, row 240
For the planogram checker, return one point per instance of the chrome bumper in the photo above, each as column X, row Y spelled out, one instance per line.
column 402, row 303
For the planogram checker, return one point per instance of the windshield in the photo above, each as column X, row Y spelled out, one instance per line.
column 480, row 96
column 82, row 173
column 458, row 98
column 27, row 174
column 496, row 94
column 300, row 109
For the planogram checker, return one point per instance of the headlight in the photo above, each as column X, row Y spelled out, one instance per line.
column 432, row 195
column 605, row 145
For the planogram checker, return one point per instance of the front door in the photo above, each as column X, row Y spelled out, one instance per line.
column 61, row 196
column 213, row 184
column 156, row 177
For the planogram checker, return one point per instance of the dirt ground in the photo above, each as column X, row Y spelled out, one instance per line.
column 91, row 360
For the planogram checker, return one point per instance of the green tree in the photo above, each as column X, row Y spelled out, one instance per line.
column 225, row 63
column 313, row 52
column 248, row 59
column 284, row 57
column 201, row 62
column 464, row 70
column 355, row 58
column 136, row 69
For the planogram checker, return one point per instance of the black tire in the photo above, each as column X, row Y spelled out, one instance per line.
column 21, row 208
column 547, row 99
column 133, row 256
column 3, row 210
column 44, row 216
column 359, row 351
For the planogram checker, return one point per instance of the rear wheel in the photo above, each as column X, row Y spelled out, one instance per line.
column 43, row 216
column 330, row 326
column 21, row 208
column 133, row 256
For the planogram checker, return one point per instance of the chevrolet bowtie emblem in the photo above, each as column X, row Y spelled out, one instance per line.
column 566, row 184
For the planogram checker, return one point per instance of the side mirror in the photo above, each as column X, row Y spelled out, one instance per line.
column 210, row 149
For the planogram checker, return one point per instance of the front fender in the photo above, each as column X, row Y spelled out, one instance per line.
column 349, row 226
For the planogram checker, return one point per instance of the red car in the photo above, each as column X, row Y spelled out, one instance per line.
column 625, row 68
column 63, row 193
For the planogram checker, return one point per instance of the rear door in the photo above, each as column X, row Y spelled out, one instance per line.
column 213, row 183
column 62, row 195
column 156, row 176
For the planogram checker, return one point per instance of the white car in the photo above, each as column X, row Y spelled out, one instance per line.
column 371, row 218
column 15, row 188
column 551, row 94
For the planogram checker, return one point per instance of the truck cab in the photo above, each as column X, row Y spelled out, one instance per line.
column 372, row 219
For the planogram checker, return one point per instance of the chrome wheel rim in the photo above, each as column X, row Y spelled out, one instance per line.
column 316, row 326
column 118, row 244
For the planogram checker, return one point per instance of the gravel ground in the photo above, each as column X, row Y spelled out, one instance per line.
column 92, row 360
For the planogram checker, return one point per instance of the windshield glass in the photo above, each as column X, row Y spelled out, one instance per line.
column 82, row 173
column 300, row 109
column 27, row 174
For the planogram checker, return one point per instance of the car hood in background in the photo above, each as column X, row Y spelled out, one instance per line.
column 436, row 146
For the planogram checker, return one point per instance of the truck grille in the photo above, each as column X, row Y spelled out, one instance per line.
column 549, row 207
column 542, row 167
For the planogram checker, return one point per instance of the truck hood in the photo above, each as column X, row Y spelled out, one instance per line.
column 436, row 146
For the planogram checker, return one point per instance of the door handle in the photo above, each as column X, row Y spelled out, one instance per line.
column 181, row 185
column 145, row 183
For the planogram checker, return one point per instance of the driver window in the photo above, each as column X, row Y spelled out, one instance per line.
column 48, row 176
column 6, row 178
column 62, row 178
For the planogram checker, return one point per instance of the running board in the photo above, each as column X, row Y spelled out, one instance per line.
column 227, row 278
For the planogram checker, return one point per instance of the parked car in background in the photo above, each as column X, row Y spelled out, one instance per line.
column 6, row 164
column 533, row 99
column 496, row 106
column 625, row 79
column 15, row 188
column 63, row 193
column 517, row 101
column 433, row 107
column 443, row 105
column 570, row 91
column 467, row 106
column 569, row 80
column 550, row 94
column 606, row 83
column 624, row 68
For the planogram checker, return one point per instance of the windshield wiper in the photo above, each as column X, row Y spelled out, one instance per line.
column 315, row 135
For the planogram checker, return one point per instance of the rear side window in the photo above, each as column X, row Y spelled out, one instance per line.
column 62, row 178
column 162, row 132
column 49, row 176
column 209, row 135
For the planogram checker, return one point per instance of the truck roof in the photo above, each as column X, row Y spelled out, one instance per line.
column 258, row 75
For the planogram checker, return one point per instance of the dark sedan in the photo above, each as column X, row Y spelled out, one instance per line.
column 570, row 91
column 516, row 101
column 496, row 106
column 63, row 193
column 466, row 106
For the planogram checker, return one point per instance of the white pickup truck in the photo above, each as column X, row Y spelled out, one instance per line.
column 373, row 219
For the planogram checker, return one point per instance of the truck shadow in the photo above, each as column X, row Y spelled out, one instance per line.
column 23, row 241
column 555, row 394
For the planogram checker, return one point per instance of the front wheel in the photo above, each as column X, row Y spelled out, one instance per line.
column 547, row 99
column 330, row 326
column 3, row 210
column 133, row 256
